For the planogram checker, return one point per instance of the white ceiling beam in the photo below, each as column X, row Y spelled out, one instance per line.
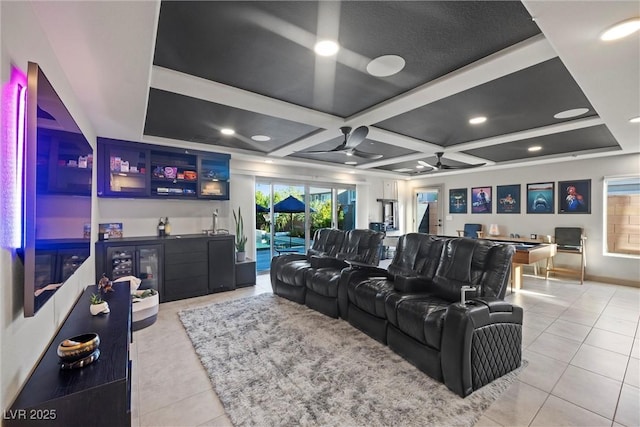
column 393, row 160
column 392, row 138
column 306, row 142
column 207, row 90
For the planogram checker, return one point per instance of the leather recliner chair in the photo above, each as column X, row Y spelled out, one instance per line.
column 288, row 271
column 464, row 345
column 360, row 246
column 363, row 290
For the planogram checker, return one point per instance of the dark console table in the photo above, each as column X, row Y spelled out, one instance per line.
column 96, row 395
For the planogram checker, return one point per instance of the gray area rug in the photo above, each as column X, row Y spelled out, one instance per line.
column 273, row 362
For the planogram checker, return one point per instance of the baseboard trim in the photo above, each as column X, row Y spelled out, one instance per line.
column 613, row 280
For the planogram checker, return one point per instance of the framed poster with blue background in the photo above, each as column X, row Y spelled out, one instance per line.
column 481, row 200
column 540, row 197
column 458, row 200
column 508, row 199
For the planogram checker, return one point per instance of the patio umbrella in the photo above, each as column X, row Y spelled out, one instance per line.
column 290, row 205
column 261, row 209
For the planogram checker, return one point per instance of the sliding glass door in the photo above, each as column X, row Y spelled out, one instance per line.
column 288, row 215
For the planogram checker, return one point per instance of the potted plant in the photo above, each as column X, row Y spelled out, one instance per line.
column 241, row 239
column 98, row 305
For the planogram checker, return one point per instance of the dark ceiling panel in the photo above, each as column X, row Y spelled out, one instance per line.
column 591, row 138
column 524, row 100
column 264, row 47
column 170, row 115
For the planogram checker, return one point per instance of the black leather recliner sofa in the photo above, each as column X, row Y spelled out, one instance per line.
column 415, row 308
column 329, row 251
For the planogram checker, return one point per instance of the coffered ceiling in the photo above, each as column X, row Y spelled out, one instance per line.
column 251, row 67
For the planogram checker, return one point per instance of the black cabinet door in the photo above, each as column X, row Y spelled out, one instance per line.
column 221, row 265
column 185, row 269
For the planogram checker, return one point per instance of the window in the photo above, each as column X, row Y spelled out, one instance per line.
column 622, row 216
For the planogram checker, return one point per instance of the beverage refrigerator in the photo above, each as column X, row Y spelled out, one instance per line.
column 141, row 261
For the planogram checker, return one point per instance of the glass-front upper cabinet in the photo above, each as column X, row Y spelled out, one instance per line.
column 138, row 170
column 126, row 170
column 213, row 182
column 173, row 174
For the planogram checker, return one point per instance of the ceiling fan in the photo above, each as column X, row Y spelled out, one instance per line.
column 439, row 166
column 351, row 141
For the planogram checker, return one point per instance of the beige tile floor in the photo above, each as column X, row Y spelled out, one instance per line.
column 581, row 342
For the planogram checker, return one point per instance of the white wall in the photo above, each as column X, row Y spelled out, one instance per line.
column 598, row 265
column 24, row 339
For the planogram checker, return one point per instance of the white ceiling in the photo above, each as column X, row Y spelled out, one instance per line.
column 106, row 50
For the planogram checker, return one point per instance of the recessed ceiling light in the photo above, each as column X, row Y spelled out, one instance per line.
column 350, row 163
column 567, row 114
column 621, row 30
column 534, row 148
column 477, row 120
column 268, row 161
column 635, row 120
column 386, row 65
column 326, row 48
column 227, row 131
column 261, row 138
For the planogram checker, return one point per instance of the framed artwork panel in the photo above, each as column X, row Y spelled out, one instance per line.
column 508, row 199
column 540, row 197
column 481, row 200
column 457, row 200
column 574, row 196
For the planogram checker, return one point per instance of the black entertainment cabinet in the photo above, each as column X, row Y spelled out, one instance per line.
column 138, row 170
column 98, row 394
column 190, row 265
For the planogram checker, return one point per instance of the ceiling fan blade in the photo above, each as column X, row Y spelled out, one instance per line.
column 463, row 166
column 426, row 165
column 441, row 166
column 365, row 155
column 357, row 136
column 340, row 148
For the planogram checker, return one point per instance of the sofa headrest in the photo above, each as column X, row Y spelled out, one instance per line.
column 326, row 242
column 362, row 245
column 469, row 262
column 417, row 254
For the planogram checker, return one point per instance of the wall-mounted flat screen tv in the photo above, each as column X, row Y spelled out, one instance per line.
column 57, row 193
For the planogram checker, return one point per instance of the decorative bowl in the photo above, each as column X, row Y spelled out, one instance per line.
column 81, row 363
column 79, row 347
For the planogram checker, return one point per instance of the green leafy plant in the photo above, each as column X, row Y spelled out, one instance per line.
column 96, row 299
column 241, row 239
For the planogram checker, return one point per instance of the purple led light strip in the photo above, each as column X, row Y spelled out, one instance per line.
column 12, row 159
